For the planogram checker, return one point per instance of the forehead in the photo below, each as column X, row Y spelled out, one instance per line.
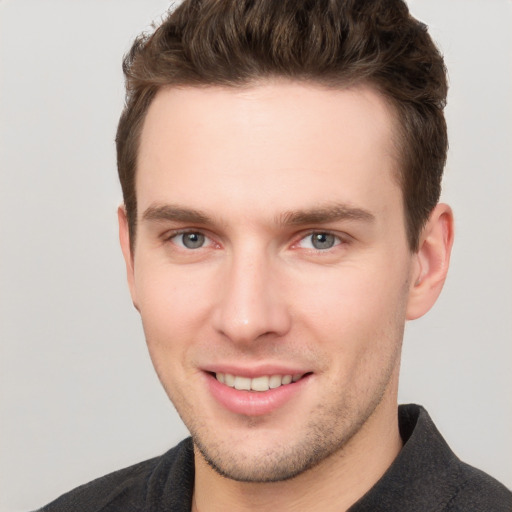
column 273, row 146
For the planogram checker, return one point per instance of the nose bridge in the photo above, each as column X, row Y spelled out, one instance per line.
column 250, row 303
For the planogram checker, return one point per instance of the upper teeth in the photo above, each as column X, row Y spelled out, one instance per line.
column 263, row 383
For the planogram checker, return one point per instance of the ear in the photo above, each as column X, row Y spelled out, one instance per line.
column 124, row 239
column 432, row 261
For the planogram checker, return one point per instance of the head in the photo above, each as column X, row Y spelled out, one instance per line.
column 280, row 164
column 335, row 44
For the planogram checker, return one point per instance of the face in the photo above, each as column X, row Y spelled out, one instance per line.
column 271, row 269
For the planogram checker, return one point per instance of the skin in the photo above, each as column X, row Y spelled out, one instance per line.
column 256, row 171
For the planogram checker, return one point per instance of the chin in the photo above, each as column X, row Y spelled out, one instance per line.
column 262, row 458
column 269, row 465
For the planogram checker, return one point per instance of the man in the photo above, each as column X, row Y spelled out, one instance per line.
column 281, row 166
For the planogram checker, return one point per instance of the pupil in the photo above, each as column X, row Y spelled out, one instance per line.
column 323, row 241
column 193, row 240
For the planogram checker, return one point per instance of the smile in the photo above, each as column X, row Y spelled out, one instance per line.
column 263, row 383
column 259, row 393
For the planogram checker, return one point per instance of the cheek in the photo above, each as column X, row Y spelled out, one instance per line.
column 354, row 308
column 357, row 324
column 173, row 304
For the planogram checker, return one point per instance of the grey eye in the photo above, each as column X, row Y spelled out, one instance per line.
column 192, row 240
column 323, row 240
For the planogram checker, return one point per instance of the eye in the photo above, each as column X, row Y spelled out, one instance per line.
column 319, row 241
column 189, row 240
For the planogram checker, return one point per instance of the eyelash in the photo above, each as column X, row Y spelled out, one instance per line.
column 175, row 234
column 338, row 239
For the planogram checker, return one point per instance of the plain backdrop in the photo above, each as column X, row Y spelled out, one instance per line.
column 79, row 397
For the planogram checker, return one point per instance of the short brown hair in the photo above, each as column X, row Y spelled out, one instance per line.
column 334, row 43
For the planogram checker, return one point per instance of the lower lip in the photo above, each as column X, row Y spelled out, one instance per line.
column 253, row 403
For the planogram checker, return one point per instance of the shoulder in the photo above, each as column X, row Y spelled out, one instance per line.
column 478, row 492
column 427, row 475
column 461, row 487
column 133, row 488
column 124, row 487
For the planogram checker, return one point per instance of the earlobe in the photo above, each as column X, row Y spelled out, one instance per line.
column 124, row 239
column 432, row 261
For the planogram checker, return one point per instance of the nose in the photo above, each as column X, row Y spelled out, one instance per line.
column 251, row 304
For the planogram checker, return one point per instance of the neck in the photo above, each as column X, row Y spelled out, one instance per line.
column 333, row 485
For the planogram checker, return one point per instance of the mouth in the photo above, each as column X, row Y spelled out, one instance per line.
column 258, row 394
column 260, row 384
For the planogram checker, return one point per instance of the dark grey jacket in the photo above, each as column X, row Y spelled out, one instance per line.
column 425, row 477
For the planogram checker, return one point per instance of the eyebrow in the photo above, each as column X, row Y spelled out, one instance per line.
column 169, row 212
column 325, row 214
column 320, row 215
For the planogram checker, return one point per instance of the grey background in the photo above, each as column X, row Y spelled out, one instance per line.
column 78, row 395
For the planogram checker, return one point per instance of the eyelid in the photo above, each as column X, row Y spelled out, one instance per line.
column 169, row 235
column 341, row 238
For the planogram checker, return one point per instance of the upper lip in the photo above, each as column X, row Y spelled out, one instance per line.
column 255, row 371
